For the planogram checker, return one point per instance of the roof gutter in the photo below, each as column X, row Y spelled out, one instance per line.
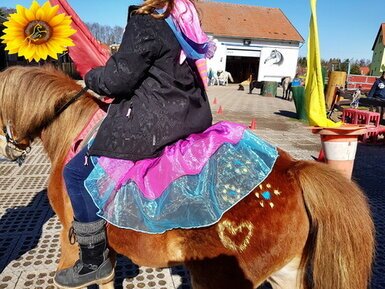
column 258, row 39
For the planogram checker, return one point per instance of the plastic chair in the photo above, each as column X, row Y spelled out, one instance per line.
column 349, row 115
column 368, row 117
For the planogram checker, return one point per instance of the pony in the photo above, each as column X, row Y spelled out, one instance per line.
column 224, row 78
column 285, row 81
column 315, row 231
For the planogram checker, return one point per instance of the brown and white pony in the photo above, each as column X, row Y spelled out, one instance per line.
column 316, row 232
column 286, row 87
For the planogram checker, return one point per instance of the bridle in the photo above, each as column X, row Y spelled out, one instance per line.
column 16, row 149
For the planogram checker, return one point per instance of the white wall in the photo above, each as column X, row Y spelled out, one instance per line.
column 272, row 70
column 218, row 62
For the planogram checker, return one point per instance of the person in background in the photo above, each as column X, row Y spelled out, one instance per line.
column 210, row 76
column 159, row 98
column 296, row 81
column 378, row 88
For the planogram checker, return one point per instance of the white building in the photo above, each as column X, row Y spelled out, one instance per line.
column 251, row 40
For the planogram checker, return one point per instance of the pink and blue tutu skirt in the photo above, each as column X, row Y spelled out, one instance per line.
column 190, row 185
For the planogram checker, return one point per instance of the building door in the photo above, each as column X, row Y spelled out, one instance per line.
column 241, row 67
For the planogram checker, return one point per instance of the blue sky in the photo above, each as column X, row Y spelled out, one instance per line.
column 347, row 29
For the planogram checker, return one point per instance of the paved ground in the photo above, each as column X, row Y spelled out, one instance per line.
column 29, row 231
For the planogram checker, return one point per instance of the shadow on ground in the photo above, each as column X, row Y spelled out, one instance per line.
column 288, row 114
column 21, row 228
column 369, row 173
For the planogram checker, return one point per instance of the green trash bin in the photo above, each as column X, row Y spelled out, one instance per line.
column 298, row 93
column 269, row 88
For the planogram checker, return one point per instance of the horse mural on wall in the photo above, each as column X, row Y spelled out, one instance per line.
column 275, row 58
column 304, row 226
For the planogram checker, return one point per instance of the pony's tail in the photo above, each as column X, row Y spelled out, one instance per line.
column 340, row 248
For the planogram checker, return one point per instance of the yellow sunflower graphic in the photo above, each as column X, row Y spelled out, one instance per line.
column 37, row 32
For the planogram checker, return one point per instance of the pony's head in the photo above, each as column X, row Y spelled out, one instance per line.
column 11, row 147
column 28, row 100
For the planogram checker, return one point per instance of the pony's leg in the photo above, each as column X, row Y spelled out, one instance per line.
column 284, row 93
column 69, row 253
column 61, row 205
column 287, row 277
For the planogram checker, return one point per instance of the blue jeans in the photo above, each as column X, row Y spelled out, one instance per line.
column 75, row 173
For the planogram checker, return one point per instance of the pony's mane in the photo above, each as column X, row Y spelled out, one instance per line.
column 30, row 98
column 30, row 95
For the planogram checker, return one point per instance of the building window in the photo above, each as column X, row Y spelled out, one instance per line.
column 380, row 39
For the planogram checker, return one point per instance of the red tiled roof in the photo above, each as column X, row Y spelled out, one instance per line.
column 244, row 21
column 364, row 70
column 382, row 29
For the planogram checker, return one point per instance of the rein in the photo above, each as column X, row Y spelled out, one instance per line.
column 71, row 101
column 13, row 148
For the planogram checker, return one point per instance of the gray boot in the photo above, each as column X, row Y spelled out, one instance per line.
column 94, row 266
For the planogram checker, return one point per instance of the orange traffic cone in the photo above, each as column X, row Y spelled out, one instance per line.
column 253, row 124
column 321, row 156
column 215, row 101
column 220, row 110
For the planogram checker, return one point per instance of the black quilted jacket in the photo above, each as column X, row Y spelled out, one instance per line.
column 156, row 100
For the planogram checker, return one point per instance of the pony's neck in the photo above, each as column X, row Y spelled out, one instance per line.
column 58, row 137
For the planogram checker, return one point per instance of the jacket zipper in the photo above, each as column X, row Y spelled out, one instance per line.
column 86, row 158
column 129, row 111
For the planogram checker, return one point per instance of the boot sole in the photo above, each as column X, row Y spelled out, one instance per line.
column 101, row 283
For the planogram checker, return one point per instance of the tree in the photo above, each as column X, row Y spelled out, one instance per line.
column 117, row 34
column 344, row 65
column 364, row 62
column 302, row 62
column 2, row 12
column 355, row 69
column 105, row 33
